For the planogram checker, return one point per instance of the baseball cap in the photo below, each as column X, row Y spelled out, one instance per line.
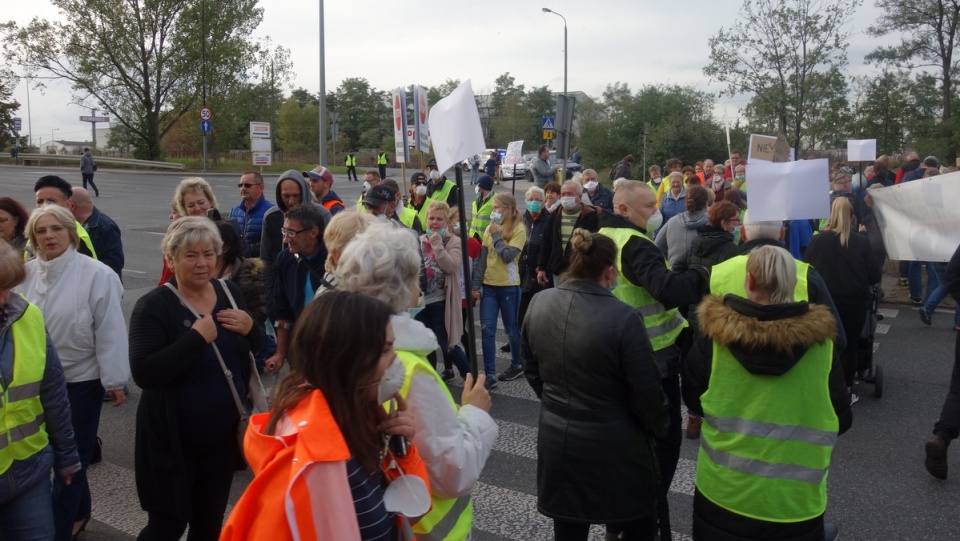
column 418, row 176
column 319, row 172
column 379, row 195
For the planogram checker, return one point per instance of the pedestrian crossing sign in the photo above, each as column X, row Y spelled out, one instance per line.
column 547, row 123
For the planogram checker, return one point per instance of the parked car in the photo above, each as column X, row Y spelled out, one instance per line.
column 484, row 156
column 572, row 168
column 509, row 171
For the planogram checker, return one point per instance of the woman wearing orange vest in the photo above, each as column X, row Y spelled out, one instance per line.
column 326, row 456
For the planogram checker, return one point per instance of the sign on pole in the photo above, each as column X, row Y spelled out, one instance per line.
column 261, row 147
column 514, row 150
column 205, row 126
column 548, row 134
column 206, row 113
column 762, row 148
column 94, row 119
column 565, row 104
column 400, row 151
column 547, row 123
column 17, row 125
column 861, row 150
column 421, row 139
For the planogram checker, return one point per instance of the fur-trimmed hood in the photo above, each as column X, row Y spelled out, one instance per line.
column 765, row 339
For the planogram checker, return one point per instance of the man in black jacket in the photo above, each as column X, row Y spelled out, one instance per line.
column 571, row 214
column 947, row 427
column 299, row 268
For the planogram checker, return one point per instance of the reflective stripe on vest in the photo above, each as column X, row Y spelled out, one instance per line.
column 766, row 441
column 663, row 326
column 448, row 519
column 481, row 217
column 382, row 159
column 330, row 203
column 351, row 161
column 23, row 432
column 731, row 276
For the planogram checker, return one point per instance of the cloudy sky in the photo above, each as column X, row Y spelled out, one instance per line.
column 393, row 43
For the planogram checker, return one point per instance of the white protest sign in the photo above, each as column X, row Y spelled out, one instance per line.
column 761, row 148
column 421, row 137
column 861, row 150
column 400, row 151
column 455, row 127
column 514, row 150
column 919, row 220
column 788, row 191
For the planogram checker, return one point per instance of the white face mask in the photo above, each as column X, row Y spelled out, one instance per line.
column 476, row 190
column 366, row 186
column 591, row 186
column 654, row 221
column 421, row 190
column 568, row 203
column 496, row 217
column 392, row 381
column 434, row 175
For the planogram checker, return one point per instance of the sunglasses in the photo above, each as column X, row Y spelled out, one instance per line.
column 247, row 185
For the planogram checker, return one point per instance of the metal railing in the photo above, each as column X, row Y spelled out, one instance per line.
column 100, row 160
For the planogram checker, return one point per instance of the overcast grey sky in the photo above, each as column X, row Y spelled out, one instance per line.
column 395, row 43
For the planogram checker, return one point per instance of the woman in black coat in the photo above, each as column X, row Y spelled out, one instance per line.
column 186, row 443
column 844, row 259
column 602, row 405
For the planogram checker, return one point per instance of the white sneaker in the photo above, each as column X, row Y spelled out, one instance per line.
column 854, row 398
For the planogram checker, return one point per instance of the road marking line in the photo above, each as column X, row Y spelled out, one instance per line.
column 888, row 312
column 131, row 271
column 154, row 233
column 882, row 328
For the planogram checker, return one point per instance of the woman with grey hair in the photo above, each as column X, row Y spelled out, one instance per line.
column 79, row 298
column 384, row 262
column 186, row 442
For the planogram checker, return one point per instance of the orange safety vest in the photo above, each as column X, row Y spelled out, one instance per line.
column 330, row 203
column 300, row 489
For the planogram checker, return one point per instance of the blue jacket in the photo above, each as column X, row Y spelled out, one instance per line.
column 251, row 224
column 603, row 198
column 61, row 452
column 105, row 236
column 670, row 206
column 290, row 282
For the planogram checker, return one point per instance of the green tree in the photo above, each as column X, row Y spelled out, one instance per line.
column 780, row 52
column 297, row 130
column 504, row 90
column 304, row 96
column 8, row 106
column 928, row 40
column 138, row 60
column 437, row 93
column 513, row 123
column 361, row 108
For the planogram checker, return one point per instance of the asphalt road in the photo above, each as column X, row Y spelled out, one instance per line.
column 878, row 487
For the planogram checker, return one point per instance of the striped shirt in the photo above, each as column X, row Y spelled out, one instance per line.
column 567, row 223
column 376, row 524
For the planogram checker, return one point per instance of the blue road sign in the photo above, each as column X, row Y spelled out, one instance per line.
column 205, row 126
column 547, row 123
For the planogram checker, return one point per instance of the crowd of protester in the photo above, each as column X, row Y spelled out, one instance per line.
column 754, row 326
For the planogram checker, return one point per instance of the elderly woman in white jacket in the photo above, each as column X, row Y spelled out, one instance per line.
column 79, row 298
column 454, row 441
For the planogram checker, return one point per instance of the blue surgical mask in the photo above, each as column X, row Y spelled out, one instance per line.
column 442, row 232
column 456, row 229
column 496, row 217
column 418, row 308
column 534, row 206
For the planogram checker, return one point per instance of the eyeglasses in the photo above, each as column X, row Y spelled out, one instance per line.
column 247, row 185
column 290, row 234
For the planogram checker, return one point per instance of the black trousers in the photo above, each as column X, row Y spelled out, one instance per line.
column 383, row 171
column 948, row 426
column 853, row 317
column 88, row 177
column 352, row 170
column 209, row 470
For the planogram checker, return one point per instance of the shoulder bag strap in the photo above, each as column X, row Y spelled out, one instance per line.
column 244, row 414
column 256, row 393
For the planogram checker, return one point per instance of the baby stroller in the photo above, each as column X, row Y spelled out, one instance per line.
column 867, row 371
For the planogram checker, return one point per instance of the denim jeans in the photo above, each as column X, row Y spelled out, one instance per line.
column 72, row 502
column 936, row 287
column 433, row 316
column 504, row 300
column 915, row 279
column 28, row 517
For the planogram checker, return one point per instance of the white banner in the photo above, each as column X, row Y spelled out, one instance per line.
column 421, row 138
column 861, row 150
column 400, row 151
column 919, row 220
column 455, row 127
column 514, row 153
column 788, row 191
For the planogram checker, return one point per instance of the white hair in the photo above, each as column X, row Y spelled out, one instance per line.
column 191, row 232
column 382, row 262
column 761, row 230
column 535, row 190
column 575, row 182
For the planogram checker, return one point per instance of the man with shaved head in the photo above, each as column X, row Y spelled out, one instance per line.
column 648, row 284
column 104, row 232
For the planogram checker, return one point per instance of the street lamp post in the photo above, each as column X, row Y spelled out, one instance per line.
column 323, row 96
column 644, row 170
column 566, row 140
column 51, row 139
